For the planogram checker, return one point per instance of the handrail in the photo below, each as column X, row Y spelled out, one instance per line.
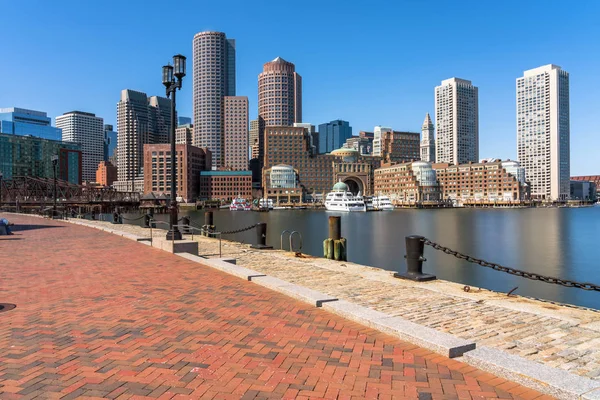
column 290, row 238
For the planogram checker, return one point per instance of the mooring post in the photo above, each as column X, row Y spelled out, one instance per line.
column 261, row 237
column 185, row 228
column 209, row 226
column 334, row 247
column 415, row 247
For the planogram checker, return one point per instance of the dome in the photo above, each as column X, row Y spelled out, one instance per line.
column 421, row 164
column 344, row 151
column 340, row 187
column 282, row 167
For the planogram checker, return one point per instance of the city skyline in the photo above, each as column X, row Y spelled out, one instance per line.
column 355, row 87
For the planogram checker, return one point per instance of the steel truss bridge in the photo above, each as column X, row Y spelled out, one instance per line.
column 28, row 191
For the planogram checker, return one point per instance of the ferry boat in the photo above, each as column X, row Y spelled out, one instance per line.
column 266, row 203
column 240, row 204
column 341, row 199
column 368, row 200
column 382, row 203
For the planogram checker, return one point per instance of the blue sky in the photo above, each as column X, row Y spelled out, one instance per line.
column 368, row 62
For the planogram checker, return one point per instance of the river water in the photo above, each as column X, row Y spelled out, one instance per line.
column 559, row 242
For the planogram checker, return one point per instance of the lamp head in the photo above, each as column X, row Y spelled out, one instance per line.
column 167, row 75
column 179, row 66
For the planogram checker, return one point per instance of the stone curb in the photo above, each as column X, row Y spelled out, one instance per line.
column 295, row 291
column 428, row 338
column 222, row 265
column 548, row 380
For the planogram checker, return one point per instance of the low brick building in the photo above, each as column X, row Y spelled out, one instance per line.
column 225, row 185
column 157, row 169
column 106, row 173
column 408, row 183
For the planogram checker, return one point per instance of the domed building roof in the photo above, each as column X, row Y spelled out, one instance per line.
column 344, row 151
column 340, row 187
column 421, row 163
column 282, row 167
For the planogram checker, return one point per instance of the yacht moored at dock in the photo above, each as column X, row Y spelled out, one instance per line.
column 341, row 199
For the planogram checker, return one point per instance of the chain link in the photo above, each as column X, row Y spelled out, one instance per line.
column 132, row 219
column 514, row 271
column 240, row 230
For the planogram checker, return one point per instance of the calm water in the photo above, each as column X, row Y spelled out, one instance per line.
column 561, row 242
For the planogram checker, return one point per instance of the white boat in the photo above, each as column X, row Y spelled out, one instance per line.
column 341, row 199
column 382, row 203
column 266, row 203
column 368, row 200
column 240, row 204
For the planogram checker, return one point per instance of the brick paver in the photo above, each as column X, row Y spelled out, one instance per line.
column 99, row 316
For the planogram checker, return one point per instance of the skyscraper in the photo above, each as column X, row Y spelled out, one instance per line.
column 236, row 133
column 87, row 130
column 333, row 135
column 140, row 120
column 20, row 121
column 457, row 119
column 213, row 79
column 280, row 93
column 427, row 140
column 378, row 133
column 110, row 144
column 253, row 138
column 543, row 131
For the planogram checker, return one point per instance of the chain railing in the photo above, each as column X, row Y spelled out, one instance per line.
column 414, row 260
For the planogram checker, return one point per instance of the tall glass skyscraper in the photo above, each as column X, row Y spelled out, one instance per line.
column 213, row 79
column 20, row 121
column 333, row 135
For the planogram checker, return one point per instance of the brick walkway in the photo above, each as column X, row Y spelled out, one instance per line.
column 99, row 316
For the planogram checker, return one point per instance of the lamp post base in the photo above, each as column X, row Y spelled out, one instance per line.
column 174, row 234
column 418, row 277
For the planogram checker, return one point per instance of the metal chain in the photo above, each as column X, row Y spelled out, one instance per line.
column 240, row 230
column 514, row 271
column 132, row 219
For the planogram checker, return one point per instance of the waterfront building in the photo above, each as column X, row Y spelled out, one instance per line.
column 408, row 183
column 225, row 185
column 141, row 120
column 427, row 140
column 235, row 133
column 183, row 134
column 110, row 144
column 282, row 184
column 398, row 147
column 32, row 156
column 316, row 173
column 583, row 190
column 106, row 173
column 543, row 131
column 589, row 178
column 184, row 121
column 332, row 135
column 378, row 133
column 365, row 134
column 487, row 181
column 457, row 119
column 23, row 122
column 253, row 139
column 361, row 144
column 87, row 130
column 157, row 169
column 213, row 79
column 279, row 93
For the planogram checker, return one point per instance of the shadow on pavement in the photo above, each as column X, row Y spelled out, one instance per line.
column 19, row 227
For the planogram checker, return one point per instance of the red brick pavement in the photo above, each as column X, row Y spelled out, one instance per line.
column 99, row 316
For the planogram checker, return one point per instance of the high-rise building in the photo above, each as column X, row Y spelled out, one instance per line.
column 363, row 145
column 140, row 120
column 183, row 134
column 184, row 121
column 378, row 133
column 314, row 135
column 106, row 173
column 20, row 121
column 23, row 155
column 236, row 133
column 280, row 93
column 87, row 130
column 457, row 119
column 543, row 131
column 427, row 140
column 213, row 79
column 253, row 138
column 399, row 147
column 333, row 135
column 110, row 144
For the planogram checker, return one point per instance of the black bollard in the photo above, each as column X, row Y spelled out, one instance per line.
column 185, row 222
column 93, row 215
column 208, row 222
column 261, row 237
column 147, row 221
column 415, row 246
column 115, row 218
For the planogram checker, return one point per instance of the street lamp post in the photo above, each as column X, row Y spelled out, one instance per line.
column 171, row 78
column 54, row 162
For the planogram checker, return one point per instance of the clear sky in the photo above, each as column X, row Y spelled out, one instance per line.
column 368, row 62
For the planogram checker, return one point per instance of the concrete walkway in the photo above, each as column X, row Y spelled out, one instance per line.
column 99, row 316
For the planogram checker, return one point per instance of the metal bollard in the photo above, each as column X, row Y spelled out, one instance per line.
column 185, row 229
column 334, row 247
column 147, row 221
column 261, row 237
column 117, row 218
column 335, row 228
column 93, row 215
column 415, row 246
column 208, row 222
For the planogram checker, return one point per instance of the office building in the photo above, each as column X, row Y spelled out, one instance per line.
column 378, row 133
column 427, row 140
column 543, row 131
column 399, row 147
column 106, row 173
column 225, row 185
column 110, row 144
column 32, row 156
column 141, row 120
column 408, row 183
column 280, row 93
column 87, row 130
column 457, row 119
column 363, row 145
column 314, row 135
column 213, row 79
column 583, row 190
column 235, row 127
column 184, row 121
column 183, row 134
column 20, row 121
column 588, row 178
column 157, row 170
column 333, row 135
